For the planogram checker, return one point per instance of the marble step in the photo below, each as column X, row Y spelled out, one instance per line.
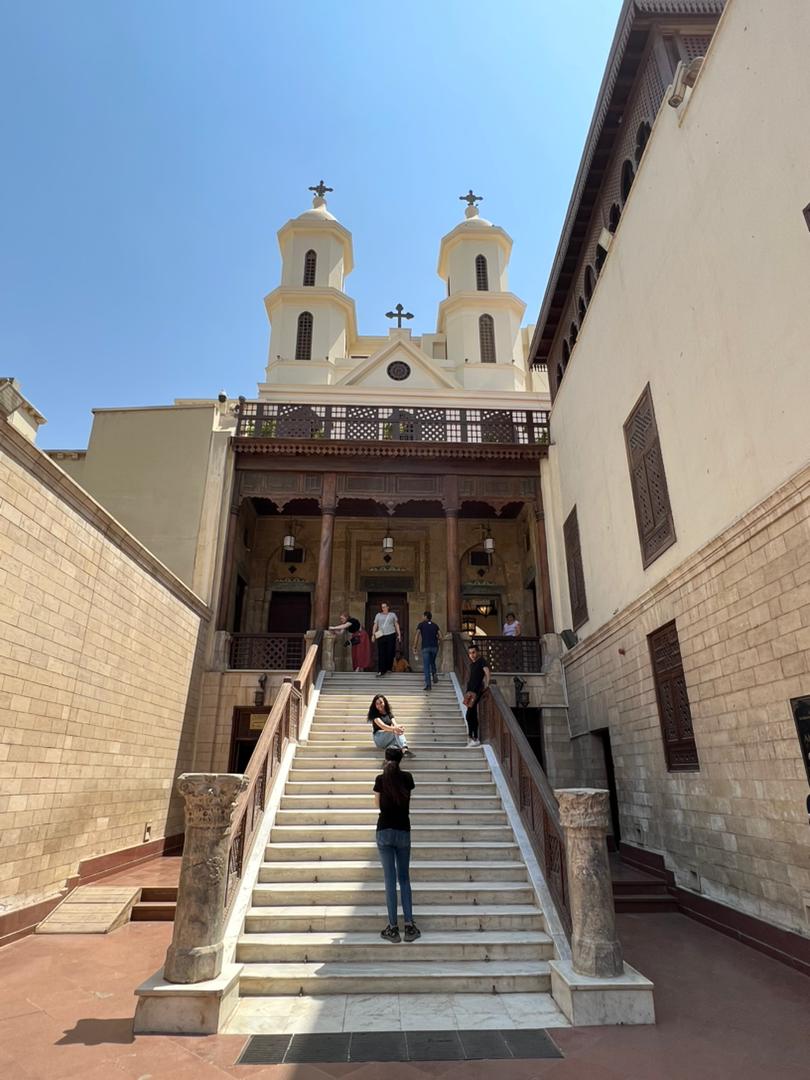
column 397, row 976
column 448, row 788
column 372, row 893
column 447, row 773
column 368, row 755
column 359, row 948
column 369, row 870
column 364, row 739
column 364, row 800
column 305, row 918
column 443, row 816
column 321, row 834
column 329, row 851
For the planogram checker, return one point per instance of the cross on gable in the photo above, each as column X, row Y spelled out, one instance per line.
column 471, row 199
column 399, row 313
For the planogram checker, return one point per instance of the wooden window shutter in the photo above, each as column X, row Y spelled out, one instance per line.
column 673, row 702
column 486, row 338
column 303, row 338
column 656, row 528
column 576, row 577
column 310, row 265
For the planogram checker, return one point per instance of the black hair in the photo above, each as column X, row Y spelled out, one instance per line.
column 374, row 711
column 428, row 615
column 512, row 614
column 472, row 648
column 392, row 786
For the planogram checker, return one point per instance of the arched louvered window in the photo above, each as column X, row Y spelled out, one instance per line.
column 310, row 263
column 481, row 274
column 601, row 255
column 486, row 337
column 590, row 283
column 303, row 339
column 642, row 138
column 628, row 176
column 582, row 307
column 560, row 374
column 613, row 217
column 566, row 355
column 573, row 334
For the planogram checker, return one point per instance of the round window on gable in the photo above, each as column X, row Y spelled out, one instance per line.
column 628, row 176
column 398, row 370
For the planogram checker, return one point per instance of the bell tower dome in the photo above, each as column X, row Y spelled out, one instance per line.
column 480, row 317
column 312, row 319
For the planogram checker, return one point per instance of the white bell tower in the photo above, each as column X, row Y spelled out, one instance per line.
column 312, row 319
column 480, row 317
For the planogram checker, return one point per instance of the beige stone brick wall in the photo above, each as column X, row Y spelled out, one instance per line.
column 221, row 693
column 742, row 610
column 97, row 649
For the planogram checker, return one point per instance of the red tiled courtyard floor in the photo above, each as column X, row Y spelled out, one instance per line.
column 725, row 1012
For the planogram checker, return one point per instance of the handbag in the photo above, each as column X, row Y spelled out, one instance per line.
column 469, row 699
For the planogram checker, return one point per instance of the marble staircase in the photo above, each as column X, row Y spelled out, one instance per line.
column 318, row 905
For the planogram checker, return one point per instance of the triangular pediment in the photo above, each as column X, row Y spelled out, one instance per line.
column 382, row 369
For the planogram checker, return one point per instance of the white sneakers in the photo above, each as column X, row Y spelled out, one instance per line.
column 473, row 742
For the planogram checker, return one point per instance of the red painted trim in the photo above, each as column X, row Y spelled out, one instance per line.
column 782, row 945
column 16, row 924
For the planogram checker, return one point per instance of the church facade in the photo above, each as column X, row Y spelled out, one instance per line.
column 629, row 476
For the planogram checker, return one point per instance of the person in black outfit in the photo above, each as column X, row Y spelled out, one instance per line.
column 392, row 796
column 477, row 684
column 357, row 637
column 429, row 633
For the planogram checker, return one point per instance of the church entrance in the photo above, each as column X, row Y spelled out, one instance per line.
column 398, row 602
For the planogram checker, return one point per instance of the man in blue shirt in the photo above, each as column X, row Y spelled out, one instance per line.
column 429, row 632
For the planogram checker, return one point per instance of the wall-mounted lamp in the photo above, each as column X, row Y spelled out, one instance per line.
column 258, row 697
column 388, row 542
column 489, row 543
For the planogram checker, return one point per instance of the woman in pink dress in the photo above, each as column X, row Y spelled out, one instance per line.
column 359, row 640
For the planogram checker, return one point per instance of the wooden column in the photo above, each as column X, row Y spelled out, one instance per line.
column 323, row 587
column 453, row 572
column 542, row 564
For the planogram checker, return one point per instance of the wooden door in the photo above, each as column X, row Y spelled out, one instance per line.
column 246, row 727
column 289, row 613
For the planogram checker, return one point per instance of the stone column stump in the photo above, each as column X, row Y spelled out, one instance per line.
column 585, row 818
column 195, row 954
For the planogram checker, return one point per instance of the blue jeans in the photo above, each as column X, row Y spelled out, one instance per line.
column 394, row 846
column 429, row 663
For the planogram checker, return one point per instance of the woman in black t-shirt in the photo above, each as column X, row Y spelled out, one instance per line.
column 392, row 797
column 357, row 638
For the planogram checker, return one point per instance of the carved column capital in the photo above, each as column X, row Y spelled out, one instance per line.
column 584, row 808
column 210, row 798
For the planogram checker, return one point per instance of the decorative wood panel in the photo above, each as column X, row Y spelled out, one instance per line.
column 576, row 575
column 656, row 528
column 673, row 701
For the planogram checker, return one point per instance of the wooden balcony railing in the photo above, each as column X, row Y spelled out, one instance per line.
column 387, row 423
column 282, row 725
column 524, row 654
column 266, row 652
column 528, row 784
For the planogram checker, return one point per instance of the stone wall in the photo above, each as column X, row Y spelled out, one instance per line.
column 221, row 693
column 737, row 829
column 98, row 642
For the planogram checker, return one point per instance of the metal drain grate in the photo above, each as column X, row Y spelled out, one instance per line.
column 335, row 1047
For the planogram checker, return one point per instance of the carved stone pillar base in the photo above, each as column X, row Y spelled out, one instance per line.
column 585, row 818
column 195, row 954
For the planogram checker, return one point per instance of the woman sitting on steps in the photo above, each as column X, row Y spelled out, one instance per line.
column 384, row 730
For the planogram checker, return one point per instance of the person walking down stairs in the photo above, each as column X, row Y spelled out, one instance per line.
column 392, row 797
column 477, row 685
column 384, row 730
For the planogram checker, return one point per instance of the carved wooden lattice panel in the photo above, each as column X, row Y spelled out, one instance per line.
column 656, row 528
column 673, row 701
column 576, row 575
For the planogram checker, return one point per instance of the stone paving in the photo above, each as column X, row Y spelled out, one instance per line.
column 724, row 1012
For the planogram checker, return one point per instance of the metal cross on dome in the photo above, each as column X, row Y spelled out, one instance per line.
column 399, row 313
column 321, row 189
column 471, row 199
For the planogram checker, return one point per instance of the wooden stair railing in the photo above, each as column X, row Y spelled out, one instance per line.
column 528, row 783
column 281, row 727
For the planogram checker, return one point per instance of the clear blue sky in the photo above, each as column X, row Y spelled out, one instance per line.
column 152, row 149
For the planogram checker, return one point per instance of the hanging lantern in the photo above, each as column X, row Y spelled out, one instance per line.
column 489, row 543
column 289, row 540
column 388, row 543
